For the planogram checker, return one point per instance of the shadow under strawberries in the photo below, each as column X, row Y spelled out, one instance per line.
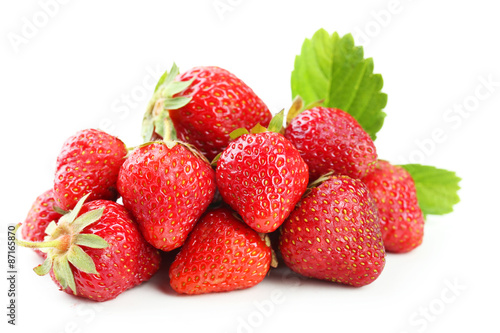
column 161, row 279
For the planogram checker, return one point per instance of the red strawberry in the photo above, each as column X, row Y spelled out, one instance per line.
column 40, row 215
column 334, row 234
column 402, row 221
column 262, row 177
column 167, row 188
column 88, row 163
column 332, row 140
column 221, row 254
column 96, row 251
column 208, row 105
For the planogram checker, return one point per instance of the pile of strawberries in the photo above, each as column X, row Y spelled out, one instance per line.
column 221, row 179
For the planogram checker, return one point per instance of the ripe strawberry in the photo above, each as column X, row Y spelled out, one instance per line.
column 88, row 163
column 402, row 221
column 221, row 254
column 332, row 140
column 334, row 234
column 262, row 177
column 204, row 105
column 96, row 251
column 167, row 188
column 39, row 216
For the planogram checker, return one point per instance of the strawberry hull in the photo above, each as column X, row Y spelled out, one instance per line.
column 127, row 262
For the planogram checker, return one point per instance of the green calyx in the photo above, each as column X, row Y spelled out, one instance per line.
column 192, row 149
column 298, row 106
column 156, row 118
column 170, row 144
column 216, row 159
column 318, row 182
column 63, row 245
column 276, row 125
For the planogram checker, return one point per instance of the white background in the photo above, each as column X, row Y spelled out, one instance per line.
column 94, row 64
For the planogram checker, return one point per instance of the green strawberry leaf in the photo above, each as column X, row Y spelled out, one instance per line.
column 332, row 68
column 436, row 188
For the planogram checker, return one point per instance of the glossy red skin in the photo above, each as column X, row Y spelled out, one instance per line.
column 128, row 260
column 89, row 162
column 262, row 177
column 332, row 140
column 402, row 221
column 334, row 234
column 220, row 103
column 221, row 254
column 39, row 216
column 167, row 191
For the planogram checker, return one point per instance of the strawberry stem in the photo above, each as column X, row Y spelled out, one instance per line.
column 34, row 245
column 37, row 245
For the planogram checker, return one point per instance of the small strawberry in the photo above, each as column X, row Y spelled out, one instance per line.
column 204, row 105
column 334, row 234
column 402, row 221
column 262, row 177
column 221, row 254
column 96, row 251
column 167, row 187
column 89, row 162
column 42, row 212
column 332, row 140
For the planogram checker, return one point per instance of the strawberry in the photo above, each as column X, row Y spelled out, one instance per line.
column 96, row 251
column 167, row 187
column 89, row 162
column 262, row 177
column 203, row 105
column 402, row 221
column 42, row 212
column 332, row 140
column 221, row 254
column 334, row 234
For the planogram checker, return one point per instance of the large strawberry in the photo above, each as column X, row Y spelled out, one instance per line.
column 334, row 234
column 167, row 187
column 89, row 162
column 221, row 254
column 332, row 140
column 96, row 251
column 262, row 177
column 42, row 212
column 402, row 221
column 203, row 106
